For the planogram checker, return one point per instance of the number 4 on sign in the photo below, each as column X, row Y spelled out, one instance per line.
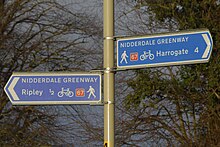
column 196, row 50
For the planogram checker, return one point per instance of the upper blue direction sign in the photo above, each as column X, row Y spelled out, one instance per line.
column 164, row 49
column 54, row 88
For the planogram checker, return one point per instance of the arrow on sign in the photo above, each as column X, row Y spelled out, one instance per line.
column 11, row 89
column 184, row 47
column 208, row 43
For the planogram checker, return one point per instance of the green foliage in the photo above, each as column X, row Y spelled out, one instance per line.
column 146, row 85
column 192, row 90
column 185, row 12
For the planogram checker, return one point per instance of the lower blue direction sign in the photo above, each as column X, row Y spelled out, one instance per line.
column 165, row 49
column 54, row 88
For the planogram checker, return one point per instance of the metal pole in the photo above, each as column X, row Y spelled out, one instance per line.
column 109, row 76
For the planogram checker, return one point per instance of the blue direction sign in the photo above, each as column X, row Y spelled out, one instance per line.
column 164, row 49
column 54, row 88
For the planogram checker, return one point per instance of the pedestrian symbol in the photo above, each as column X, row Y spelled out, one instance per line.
column 91, row 91
column 124, row 57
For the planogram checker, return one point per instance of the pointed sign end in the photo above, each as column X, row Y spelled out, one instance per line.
column 9, row 89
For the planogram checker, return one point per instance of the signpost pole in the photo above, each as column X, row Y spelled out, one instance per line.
column 109, row 76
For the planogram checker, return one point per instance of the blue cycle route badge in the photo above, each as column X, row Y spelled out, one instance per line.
column 164, row 49
column 54, row 88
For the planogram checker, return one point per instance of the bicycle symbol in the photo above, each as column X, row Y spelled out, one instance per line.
column 66, row 92
column 147, row 55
